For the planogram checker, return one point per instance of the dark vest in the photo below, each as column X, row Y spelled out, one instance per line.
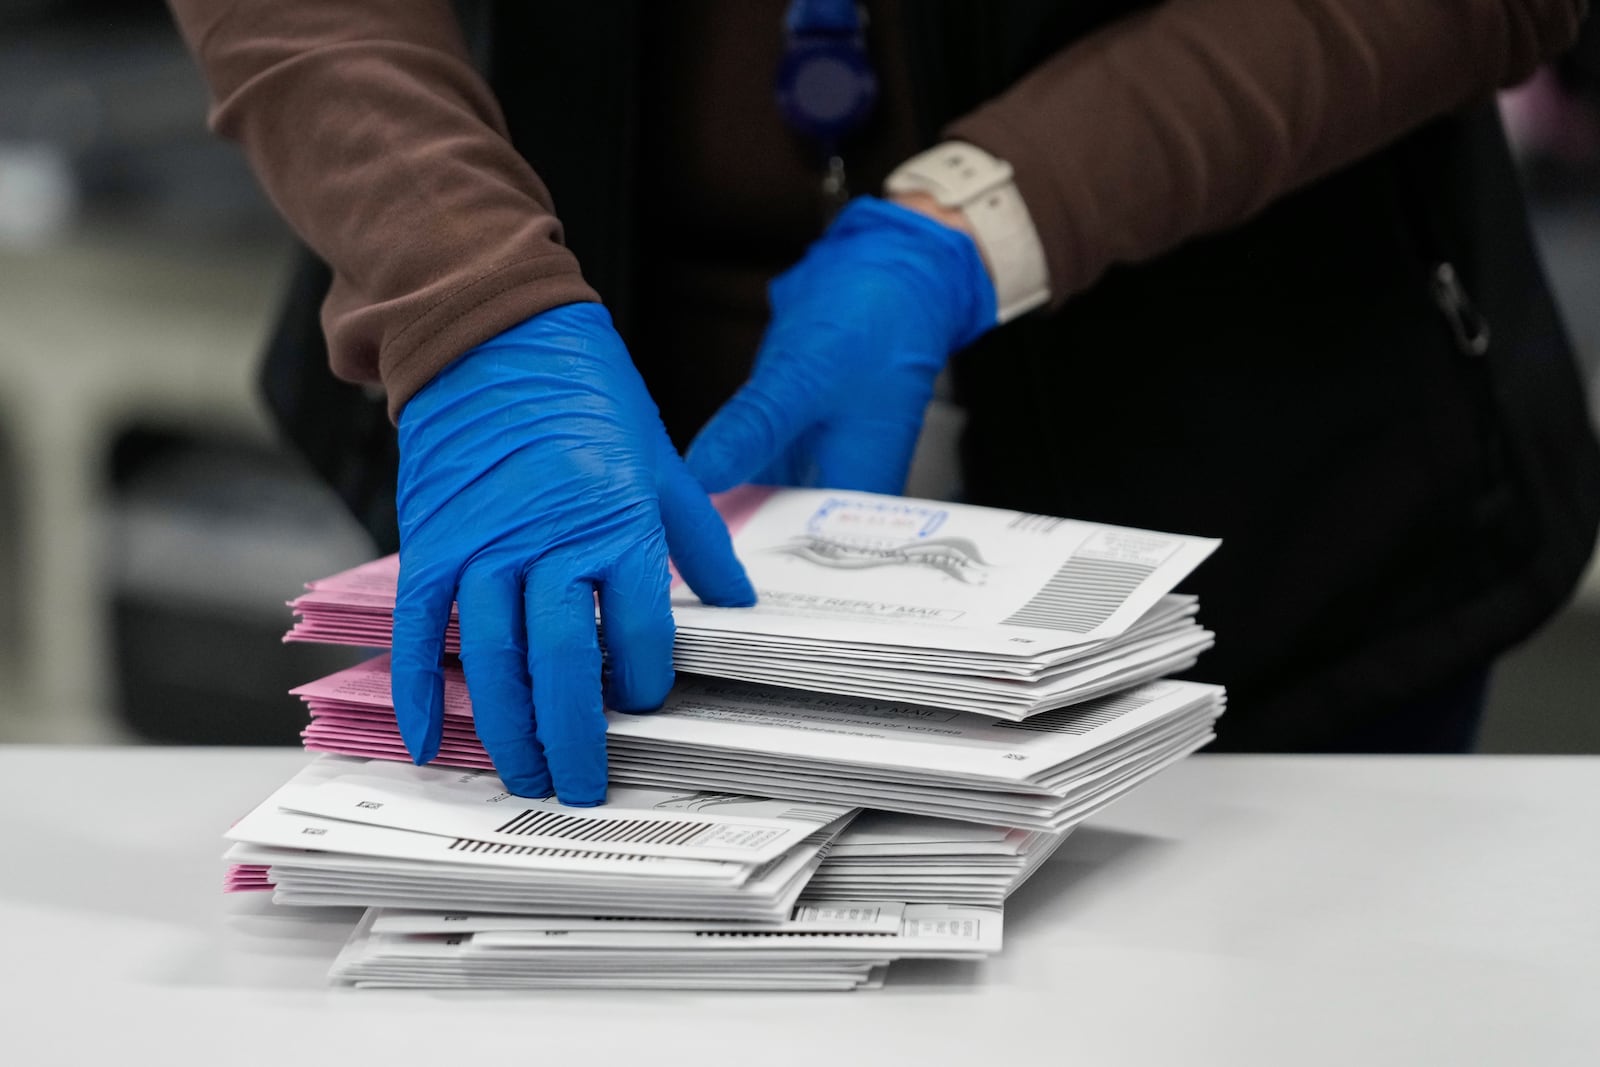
column 1399, row 501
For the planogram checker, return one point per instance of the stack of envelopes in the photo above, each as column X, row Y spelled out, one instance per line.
column 915, row 859
column 365, row 833
column 943, row 605
column 820, row 946
column 879, row 857
column 1046, row 773
column 983, row 679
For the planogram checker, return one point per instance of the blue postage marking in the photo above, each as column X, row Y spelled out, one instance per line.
column 858, row 518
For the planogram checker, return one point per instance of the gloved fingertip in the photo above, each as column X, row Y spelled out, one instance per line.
column 419, row 714
column 626, row 691
column 533, row 786
column 525, row 777
column 738, row 594
column 520, row 763
column 638, row 711
column 579, row 772
column 420, row 745
column 700, row 545
column 710, row 466
column 724, row 586
column 587, row 795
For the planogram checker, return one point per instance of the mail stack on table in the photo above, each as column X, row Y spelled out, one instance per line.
column 983, row 680
column 877, row 856
column 1045, row 773
column 821, row 946
column 354, row 832
column 943, row 605
column 467, row 886
column 920, row 860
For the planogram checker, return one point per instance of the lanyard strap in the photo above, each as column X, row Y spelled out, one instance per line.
column 826, row 85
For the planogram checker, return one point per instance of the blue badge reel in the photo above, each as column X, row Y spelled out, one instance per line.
column 826, row 85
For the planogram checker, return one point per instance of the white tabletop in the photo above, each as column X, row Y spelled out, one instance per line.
column 1238, row 910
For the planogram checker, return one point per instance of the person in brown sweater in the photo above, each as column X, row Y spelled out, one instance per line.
column 1144, row 195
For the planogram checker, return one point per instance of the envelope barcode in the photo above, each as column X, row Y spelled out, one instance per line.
column 497, row 848
column 776, row 935
column 1081, row 718
column 1035, row 523
column 535, row 823
column 1082, row 594
column 805, row 814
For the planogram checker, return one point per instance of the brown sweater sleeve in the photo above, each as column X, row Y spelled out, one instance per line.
column 1192, row 116
column 387, row 153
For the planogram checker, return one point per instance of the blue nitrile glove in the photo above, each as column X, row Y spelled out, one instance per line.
column 534, row 472
column 860, row 329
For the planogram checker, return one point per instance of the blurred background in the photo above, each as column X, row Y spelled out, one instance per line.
column 151, row 526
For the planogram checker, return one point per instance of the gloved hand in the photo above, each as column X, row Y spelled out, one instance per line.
column 534, row 472
column 860, row 329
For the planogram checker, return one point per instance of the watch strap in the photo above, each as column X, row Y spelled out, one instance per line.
column 964, row 177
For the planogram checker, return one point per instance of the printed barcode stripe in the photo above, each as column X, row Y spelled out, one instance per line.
column 1081, row 595
column 534, row 823
column 496, row 848
column 774, row 935
column 1080, row 718
column 1035, row 523
column 806, row 814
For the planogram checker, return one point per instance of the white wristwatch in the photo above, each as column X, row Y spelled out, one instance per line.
column 965, row 177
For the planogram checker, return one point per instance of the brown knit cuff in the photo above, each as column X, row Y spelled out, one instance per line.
column 485, row 307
